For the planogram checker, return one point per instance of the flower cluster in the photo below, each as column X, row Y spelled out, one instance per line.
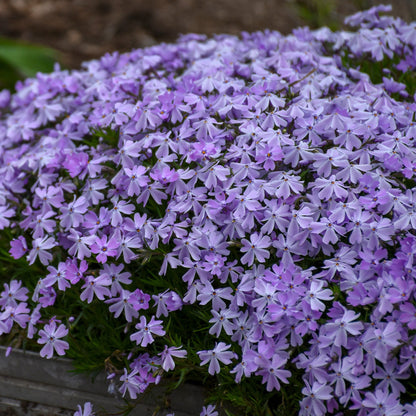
column 265, row 184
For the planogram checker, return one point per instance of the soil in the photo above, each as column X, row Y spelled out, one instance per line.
column 85, row 29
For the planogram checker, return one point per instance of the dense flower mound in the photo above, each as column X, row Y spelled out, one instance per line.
column 246, row 205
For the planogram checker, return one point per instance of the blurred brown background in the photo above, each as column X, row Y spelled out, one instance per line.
column 86, row 29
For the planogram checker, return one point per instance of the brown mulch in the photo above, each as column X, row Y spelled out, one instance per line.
column 86, row 29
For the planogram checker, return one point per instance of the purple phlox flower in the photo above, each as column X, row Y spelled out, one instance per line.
column 161, row 303
column 119, row 207
column 213, row 263
column 134, row 382
column 213, row 174
column 286, row 247
column 267, row 295
column 341, row 263
column 359, row 225
column 276, row 216
column 46, row 111
column 316, row 294
column 165, row 175
column 313, row 403
column 144, row 335
column 18, row 247
column 371, row 15
column 93, row 222
column 246, row 367
column 139, row 300
column 173, row 301
column 351, row 172
column 146, row 118
column 301, row 153
column 143, row 226
column 92, row 188
column 170, row 260
column 50, row 336
column 255, row 248
column 213, row 241
column 244, row 170
column 154, row 190
column 231, row 270
column 401, row 290
column 389, row 375
column 18, row 314
column 86, row 411
column 95, row 286
column 379, row 230
column 381, row 340
column 215, row 295
column 409, row 409
column 104, row 248
column 128, row 152
column 189, row 198
column 349, row 137
column 408, row 315
column 375, row 198
column 34, row 319
column 57, row 276
column 13, row 293
column 353, row 392
column 285, row 306
column 167, row 356
column 127, row 243
column 208, row 410
column 218, row 354
column 383, row 403
column 342, row 371
column 315, row 367
column 286, row 184
column 273, row 374
column 76, row 164
column 80, row 247
column 5, row 213
column 138, row 179
column 122, row 304
column 341, row 327
column 114, row 272
column 300, row 220
column 74, row 273
column 332, row 230
column 205, row 129
column 329, row 188
column 40, row 247
column 409, row 168
column 72, row 214
column 324, row 164
column 246, row 203
column 307, row 319
column 221, row 321
column 268, row 155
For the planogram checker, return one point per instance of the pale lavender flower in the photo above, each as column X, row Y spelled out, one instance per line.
column 218, row 354
column 50, row 336
column 146, row 329
column 255, row 248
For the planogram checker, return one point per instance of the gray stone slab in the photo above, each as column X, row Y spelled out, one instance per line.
column 50, row 387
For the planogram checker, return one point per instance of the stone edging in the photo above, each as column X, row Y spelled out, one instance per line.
column 48, row 387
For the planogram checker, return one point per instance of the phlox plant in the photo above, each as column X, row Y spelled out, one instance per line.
column 238, row 212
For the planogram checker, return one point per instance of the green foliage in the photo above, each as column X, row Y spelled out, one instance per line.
column 375, row 71
column 20, row 59
column 317, row 13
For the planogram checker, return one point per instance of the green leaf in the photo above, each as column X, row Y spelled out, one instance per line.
column 27, row 58
column 20, row 59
